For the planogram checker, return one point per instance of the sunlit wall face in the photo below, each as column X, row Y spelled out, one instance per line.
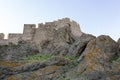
column 95, row 16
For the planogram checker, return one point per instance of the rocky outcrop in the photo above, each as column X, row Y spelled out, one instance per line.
column 8, row 72
column 66, row 44
column 79, row 46
column 95, row 61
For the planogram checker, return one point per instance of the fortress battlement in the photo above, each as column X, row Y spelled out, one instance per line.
column 31, row 33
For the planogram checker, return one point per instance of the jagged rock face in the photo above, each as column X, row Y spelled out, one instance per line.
column 95, row 60
column 79, row 46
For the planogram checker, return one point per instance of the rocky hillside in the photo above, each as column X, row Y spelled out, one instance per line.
column 63, row 56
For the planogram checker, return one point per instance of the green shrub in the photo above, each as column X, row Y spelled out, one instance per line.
column 114, row 58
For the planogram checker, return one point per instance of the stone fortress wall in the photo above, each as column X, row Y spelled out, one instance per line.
column 31, row 33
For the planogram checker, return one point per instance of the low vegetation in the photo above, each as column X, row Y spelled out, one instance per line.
column 38, row 57
column 43, row 57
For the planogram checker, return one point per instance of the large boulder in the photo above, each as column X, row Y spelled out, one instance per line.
column 79, row 46
column 94, row 62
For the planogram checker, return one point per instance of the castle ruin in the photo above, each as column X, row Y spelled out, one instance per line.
column 43, row 32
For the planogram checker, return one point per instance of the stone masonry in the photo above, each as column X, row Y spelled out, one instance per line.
column 1, row 36
column 31, row 33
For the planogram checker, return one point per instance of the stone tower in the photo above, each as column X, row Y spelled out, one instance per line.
column 29, row 31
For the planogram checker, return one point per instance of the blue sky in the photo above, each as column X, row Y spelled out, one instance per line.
column 96, row 17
